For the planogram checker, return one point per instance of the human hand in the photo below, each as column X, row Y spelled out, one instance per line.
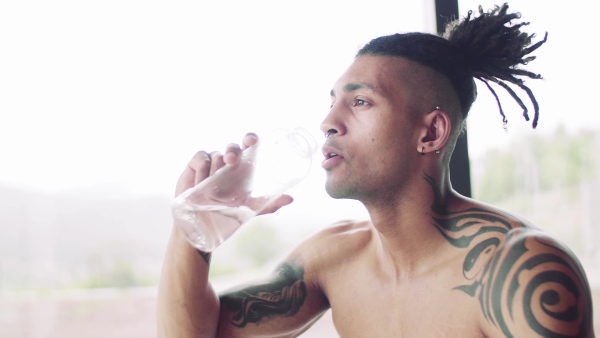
column 204, row 164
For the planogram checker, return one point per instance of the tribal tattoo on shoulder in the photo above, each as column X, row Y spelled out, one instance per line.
column 520, row 280
column 281, row 296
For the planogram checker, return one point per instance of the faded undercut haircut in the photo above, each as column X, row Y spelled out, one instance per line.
column 487, row 47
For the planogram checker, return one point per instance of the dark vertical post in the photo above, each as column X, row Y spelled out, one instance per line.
column 460, row 172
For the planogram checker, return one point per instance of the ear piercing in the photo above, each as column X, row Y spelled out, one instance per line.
column 437, row 151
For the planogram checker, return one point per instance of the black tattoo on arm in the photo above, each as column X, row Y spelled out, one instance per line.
column 282, row 296
column 519, row 275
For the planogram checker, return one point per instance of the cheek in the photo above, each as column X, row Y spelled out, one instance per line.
column 385, row 141
column 390, row 158
column 378, row 159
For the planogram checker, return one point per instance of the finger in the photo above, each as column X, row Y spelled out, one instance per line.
column 232, row 154
column 200, row 164
column 216, row 161
column 249, row 140
column 280, row 202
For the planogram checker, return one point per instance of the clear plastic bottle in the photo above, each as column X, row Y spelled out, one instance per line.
column 213, row 210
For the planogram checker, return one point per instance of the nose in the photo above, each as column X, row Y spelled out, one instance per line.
column 332, row 124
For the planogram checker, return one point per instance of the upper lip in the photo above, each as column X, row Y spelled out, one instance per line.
column 329, row 151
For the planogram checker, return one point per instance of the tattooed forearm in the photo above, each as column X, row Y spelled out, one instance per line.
column 283, row 296
column 520, row 277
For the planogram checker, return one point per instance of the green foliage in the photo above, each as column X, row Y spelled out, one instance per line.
column 261, row 244
column 220, row 268
column 106, row 271
column 536, row 163
column 566, row 159
column 255, row 245
column 498, row 176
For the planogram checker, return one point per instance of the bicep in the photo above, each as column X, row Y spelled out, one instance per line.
column 282, row 306
column 536, row 287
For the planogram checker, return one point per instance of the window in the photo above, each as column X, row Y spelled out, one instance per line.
column 103, row 103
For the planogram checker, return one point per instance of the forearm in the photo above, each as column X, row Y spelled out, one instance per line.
column 187, row 304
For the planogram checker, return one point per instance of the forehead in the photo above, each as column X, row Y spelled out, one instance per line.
column 380, row 74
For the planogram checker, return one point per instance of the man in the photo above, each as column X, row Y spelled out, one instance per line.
column 429, row 262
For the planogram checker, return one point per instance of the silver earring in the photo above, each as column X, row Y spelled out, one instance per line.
column 438, row 108
column 437, row 151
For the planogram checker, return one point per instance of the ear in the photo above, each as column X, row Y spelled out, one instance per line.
column 434, row 131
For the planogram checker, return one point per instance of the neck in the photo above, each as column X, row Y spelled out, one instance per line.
column 409, row 241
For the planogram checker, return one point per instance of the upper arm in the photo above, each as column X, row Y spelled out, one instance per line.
column 536, row 287
column 284, row 305
column 293, row 298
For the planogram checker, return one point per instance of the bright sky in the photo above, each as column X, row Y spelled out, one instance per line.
column 125, row 91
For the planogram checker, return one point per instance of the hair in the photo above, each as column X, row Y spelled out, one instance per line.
column 487, row 47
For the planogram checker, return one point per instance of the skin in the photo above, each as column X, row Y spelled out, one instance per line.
column 428, row 262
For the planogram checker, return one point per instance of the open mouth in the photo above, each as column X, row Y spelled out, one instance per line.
column 331, row 157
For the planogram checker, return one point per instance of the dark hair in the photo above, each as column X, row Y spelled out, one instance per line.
column 487, row 47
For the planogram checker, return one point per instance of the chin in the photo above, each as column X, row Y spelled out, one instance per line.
column 339, row 191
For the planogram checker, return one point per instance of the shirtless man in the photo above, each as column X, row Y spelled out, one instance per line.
column 429, row 262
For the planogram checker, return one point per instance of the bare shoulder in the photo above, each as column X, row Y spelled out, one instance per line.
column 527, row 282
column 348, row 229
column 337, row 242
column 537, row 286
column 345, row 227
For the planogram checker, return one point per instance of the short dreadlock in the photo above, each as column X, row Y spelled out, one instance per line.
column 487, row 47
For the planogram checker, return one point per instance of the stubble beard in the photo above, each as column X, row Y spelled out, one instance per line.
column 351, row 188
column 340, row 190
column 367, row 190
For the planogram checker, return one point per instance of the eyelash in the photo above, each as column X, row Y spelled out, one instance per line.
column 357, row 103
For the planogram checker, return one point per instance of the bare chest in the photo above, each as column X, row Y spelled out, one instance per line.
column 429, row 307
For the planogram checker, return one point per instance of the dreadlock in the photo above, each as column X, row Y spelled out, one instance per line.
column 487, row 47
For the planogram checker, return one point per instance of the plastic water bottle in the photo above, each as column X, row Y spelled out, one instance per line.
column 213, row 210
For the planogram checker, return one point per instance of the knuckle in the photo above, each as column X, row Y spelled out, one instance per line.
column 200, row 161
column 215, row 156
column 199, row 155
column 203, row 164
column 233, row 147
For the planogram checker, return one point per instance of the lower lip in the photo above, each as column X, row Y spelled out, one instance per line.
column 331, row 162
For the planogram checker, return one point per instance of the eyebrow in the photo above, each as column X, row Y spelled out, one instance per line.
column 354, row 86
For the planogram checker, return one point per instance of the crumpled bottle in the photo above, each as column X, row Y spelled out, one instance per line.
column 213, row 210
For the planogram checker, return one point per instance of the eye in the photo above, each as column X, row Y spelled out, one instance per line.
column 359, row 102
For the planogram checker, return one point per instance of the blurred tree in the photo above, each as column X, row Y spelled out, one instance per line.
column 108, row 268
column 535, row 163
column 498, row 175
column 261, row 243
column 549, row 179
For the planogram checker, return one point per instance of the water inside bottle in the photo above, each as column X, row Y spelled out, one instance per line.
column 213, row 210
column 203, row 221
